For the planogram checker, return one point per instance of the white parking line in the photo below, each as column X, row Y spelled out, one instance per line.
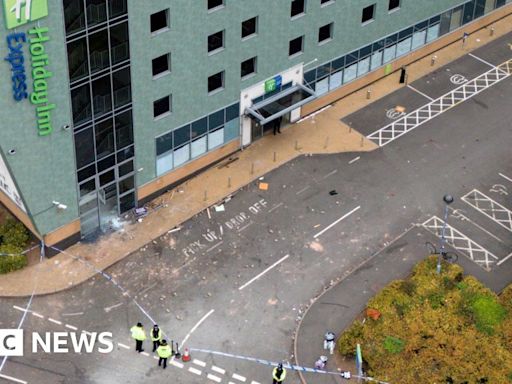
column 456, row 214
column 254, row 382
column 21, row 309
column 337, row 221
column 330, row 174
column 503, row 260
column 505, row 177
column 196, row 326
column 13, row 379
column 145, row 354
column 87, row 333
column 38, row 315
column 55, row 321
column 303, row 190
column 218, row 370
column 71, row 327
column 215, row 246
column 421, row 93
column 177, row 364
column 354, row 159
column 193, row 370
column 490, row 208
column 199, row 362
column 123, row 346
column 265, row 271
column 481, row 60
column 275, row 207
column 214, row 378
column 245, row 227
column 238, row 377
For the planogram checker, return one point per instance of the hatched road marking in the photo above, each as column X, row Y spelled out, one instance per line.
column 490, row 208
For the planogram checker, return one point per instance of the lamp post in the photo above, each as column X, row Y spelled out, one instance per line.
column 448, row 199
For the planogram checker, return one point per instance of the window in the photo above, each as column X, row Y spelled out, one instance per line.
column 214, row 4
column 248, row 67
column 161, row 64
column 297, row 7
column 326, row 2
column 215, row 41
column 216, row 82
column 368, row 14
column 162, row 107
column 325, row 33
column 249, row 27
column 295, row 46
column 393, row 5
column 160, row 21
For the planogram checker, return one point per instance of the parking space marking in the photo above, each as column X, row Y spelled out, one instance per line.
column 123, row 346
column 275, row 207
column 481, row 60
column 504, row 259
column 505, row 177
column 213, row 247
column 71, row 327
column 199, row 362
column 214, row 378
column 303, row 190
column 193, row 370
column 21, row 309
column 145, row 354
column 461, row 242
column 218, row 370
column 407, row 123
column 490, row 208
column 336, row 222
column 354, row 159
column 245, row 226
column 54, row 321
column 262, row 273
column 38, row 315
column 196, row 326
column 177, row 364
column 238, row 377
column 13, row 379
column 419, row 92
column 330, row 174
column 458, row 215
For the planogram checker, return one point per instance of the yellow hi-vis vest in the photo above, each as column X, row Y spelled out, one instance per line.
column 158, row 337
column 138, row 333
column 164, row 351
column 279, row 379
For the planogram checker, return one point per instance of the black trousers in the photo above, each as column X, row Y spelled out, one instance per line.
column 156, row 344
column 274, row 381
column 138, row 345
column 164, row 359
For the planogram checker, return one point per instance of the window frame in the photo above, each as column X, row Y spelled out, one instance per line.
column 163, row 73
column 301, row 51
column 216, row 8
column 223, row 84
column 325, row 3
column 255, row 68
column 300, row 14
column 368, row 21
column 166, row 113
column 395, row 8
column 219, row 49
column 167, row 24
column 331, row 29
column 255, row 33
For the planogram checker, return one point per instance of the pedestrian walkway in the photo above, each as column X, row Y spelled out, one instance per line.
column 320, row 133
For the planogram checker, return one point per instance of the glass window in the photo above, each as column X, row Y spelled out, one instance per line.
column 101, row 95
column 77, row 59
column 215, row 138
column 116, row 8
column 212, row 4
column 322, row 86
column 121, row 87
column 363, row 66
column 198, row 146
column 418, row 39
column 199, row 127
column 87, row 187
column 104, row 132
column 310, row 76
column 127, row 202
column 249, row 27
column 84, row 148
column 126, row 184
column 325, row 33
column 81, row 104
column 159, row 21
column 351, row 58
column 432, row 32
column 74, row 15
column 338, row 63
column 389, row 54
column 162, row 106
column 403, row 46
column 125, row 154
column 326, row 2
column 336, row 79
column 96, row 12
column 297, row 7
column 164, row 143
column 368, row 14
column 421, row 25
column 363, row 52
column 181, row 155
column 161, row 64
column 125, row 168
column 445, row 22
column 296, row 46
column 215, row 119
column 469, row 9
column 248, row 67
column 232, row 112
column 480, row 8
column 216, row 41
column 107, row 177
column 376, row 59
column 119, row 44
column 350, row 73
column 124, row 130
column 323, row 70
column 99, row 51
column 216, row 82
column 106, row 163
column 181, row 136
column 393, row 5
column 85, row 173
column 164, row 163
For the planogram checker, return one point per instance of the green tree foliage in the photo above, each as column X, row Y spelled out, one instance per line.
column 13, row 240
column 444, row 329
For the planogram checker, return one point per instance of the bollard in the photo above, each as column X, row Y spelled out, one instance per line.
column 350, row 129
column 368, row 94
column 433, row 60
column 252, row 168
column 229, row 182
column 492, row 31
column 275, row 157
column 205, row 195
column 296, row 145
column 326, row 142
column 362, row 141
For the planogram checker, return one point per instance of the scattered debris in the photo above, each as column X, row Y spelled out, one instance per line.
column 219, row 208
column 400, row 109
column 333, row 192
column 208, row 211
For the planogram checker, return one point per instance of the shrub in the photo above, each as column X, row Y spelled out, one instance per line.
column 487, row 313
column 436, row 300
column 408, row 287
column 393, row 344
column 11, row 263
column 13, row 233
column 347, row 342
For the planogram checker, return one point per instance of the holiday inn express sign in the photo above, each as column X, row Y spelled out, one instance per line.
column 17, row 13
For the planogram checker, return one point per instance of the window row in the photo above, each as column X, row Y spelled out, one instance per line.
column 98, row 51
column 101, row 96
column 79, row 14
column 124, row 173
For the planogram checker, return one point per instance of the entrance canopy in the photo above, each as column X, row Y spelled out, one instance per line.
column 280, row 104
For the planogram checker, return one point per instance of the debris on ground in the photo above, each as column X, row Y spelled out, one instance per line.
column 263, row 186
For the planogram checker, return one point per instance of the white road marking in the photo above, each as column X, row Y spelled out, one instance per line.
column 177, row 364
column 199, row 362
column 421, row 93
column 481, row 60
column 254, row 382
column 314, row 113
column 278, row 205
column 354, row 159
column 505, row 177
column 456, row 214
column 238, row 377
column 215, row 246
column 156, row 358
column 329, row 174
column 302, row 190
column 73, row 314
column 38, row 315
column 123, row 346
column 21, row 309
column 245, row 226
column 108, row 309
column 55, row 321
column 13, row 379
column 214, row 378
column 503, row 260
column 145, row 354
column 193, row 370
column 265, row 271
column 87, row 333
column 218, row 370
column 196, row 326
column 490, row 208
column 337, row 221
column 71, row 327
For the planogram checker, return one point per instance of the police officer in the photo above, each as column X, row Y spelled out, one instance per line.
column 164, row 351
column 139, row 335
column 278, row 374
column 156, row 336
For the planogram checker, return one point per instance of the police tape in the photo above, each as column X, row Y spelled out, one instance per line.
column 21, row 253
column 285, row 365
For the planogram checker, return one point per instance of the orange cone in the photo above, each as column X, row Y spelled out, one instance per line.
column 186, row 355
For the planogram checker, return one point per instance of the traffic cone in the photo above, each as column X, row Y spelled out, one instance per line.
column 186, row 356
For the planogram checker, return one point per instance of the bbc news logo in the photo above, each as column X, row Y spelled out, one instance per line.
column 20, row 12
column 11, row 342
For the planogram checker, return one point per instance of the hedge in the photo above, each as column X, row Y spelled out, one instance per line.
column 13, row 240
